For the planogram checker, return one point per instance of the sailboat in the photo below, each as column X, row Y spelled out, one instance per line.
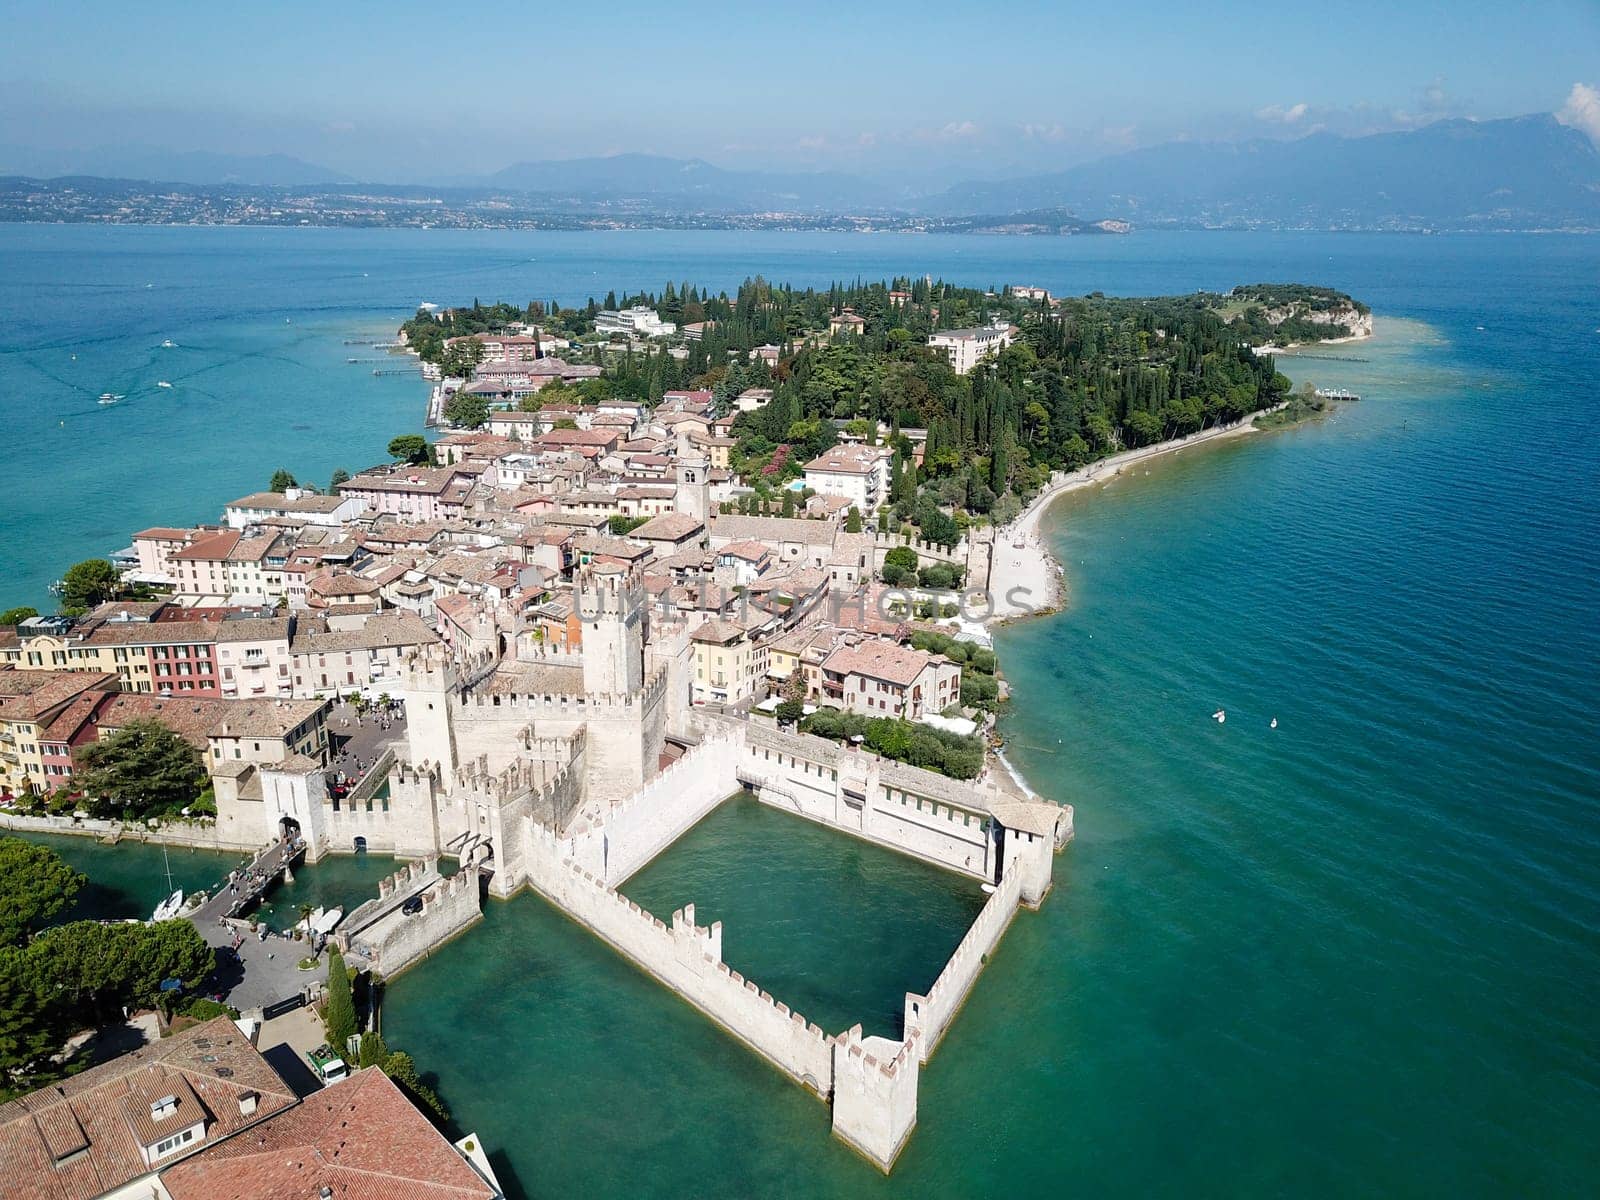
column 169, row 907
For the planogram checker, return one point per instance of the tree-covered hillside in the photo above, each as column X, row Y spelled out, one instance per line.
column 1084, row 377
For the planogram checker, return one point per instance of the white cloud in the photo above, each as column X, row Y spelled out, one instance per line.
column 1044, row 133
column 959, row 129
column 1286, row 116
column 813, row 142
column 1582, row 110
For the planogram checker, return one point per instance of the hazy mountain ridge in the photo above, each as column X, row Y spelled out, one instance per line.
column 199, row 167
column 1524, row 172
column 1517, row 173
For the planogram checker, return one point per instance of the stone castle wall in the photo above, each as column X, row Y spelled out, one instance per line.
column 631, row 834
column 904, row 808
column 930, row 1015
column 872, row 1081
column 392, row 940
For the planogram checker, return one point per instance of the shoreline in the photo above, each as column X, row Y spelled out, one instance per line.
column 1022, row 562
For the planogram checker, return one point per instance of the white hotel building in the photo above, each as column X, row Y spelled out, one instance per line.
column 966, row 348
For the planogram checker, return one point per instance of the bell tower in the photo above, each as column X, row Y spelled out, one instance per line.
column 694, row 484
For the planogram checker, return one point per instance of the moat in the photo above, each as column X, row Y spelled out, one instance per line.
column 558, row 1051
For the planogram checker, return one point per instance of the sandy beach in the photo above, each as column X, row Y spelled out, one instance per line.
column 1025, row 577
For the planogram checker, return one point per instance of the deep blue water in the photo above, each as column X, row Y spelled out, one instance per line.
column 1358, row 954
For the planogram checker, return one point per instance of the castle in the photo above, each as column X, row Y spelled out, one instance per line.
column 567, row 771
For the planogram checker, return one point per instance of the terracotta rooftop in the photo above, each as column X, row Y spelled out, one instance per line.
column 81, row 1138
column 360, row 1138
column 668, row 527
column 899, row 665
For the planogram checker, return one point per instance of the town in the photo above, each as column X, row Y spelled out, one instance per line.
column 661, row 552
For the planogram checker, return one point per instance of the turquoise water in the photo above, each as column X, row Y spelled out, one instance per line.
column 790, row 918
column 130, row 879
column 1359, row 953
column 342, row 879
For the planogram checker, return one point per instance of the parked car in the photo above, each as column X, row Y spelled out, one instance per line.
column 412, row 906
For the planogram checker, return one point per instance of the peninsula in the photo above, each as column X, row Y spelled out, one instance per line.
column 666, row 548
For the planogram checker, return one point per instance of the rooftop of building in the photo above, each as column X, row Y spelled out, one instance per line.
column 82, row 1138
column 360, row 1138
column 849, row 459
column 295, row 501
column 879, row 659
column 669, row 527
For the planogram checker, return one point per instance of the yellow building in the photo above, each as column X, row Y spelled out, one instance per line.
column 29, row 701
column 728, row 663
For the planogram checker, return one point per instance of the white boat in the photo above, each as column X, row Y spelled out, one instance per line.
column 108, row 398
column 169, row 344
column 168, row 908
column 328, row 921
column 163, row 383
column 1274, row 723
column 1219, row 716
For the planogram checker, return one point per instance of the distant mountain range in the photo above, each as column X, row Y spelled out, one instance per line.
column 1517, row 173
column 167, row 166
column 1521, row 172
column 693, row 181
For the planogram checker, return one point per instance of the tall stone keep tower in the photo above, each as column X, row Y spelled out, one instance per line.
column 694, row 484
column 611, row 604
column 427, row 687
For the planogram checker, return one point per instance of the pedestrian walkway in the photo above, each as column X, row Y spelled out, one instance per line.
column 244, row 887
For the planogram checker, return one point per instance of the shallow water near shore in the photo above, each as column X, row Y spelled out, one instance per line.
column 1357, row 954
column 130, row 878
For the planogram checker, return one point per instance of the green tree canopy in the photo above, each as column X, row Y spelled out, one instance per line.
column 88, row 583
column 142, row 770
column 340, row 475
column 35, row 885
column 282, row 481
column 83, row 974
column 409, row 447
column 465, row 410
column 339, row 1014
column 15, row 616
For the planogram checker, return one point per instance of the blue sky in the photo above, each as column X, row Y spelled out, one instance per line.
column 403, row 91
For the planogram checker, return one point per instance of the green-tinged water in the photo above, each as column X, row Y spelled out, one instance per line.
column 342, row 879
column 130, row 878
column 797, row 900
column 562, row 1026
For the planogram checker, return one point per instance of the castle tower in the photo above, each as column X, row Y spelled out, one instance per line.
column 427, row 685
column 611, row 605
column 694, row 484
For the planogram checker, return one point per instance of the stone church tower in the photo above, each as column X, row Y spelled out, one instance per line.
column 694, row 485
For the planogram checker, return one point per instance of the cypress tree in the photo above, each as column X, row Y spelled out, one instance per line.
column 339, row 1014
